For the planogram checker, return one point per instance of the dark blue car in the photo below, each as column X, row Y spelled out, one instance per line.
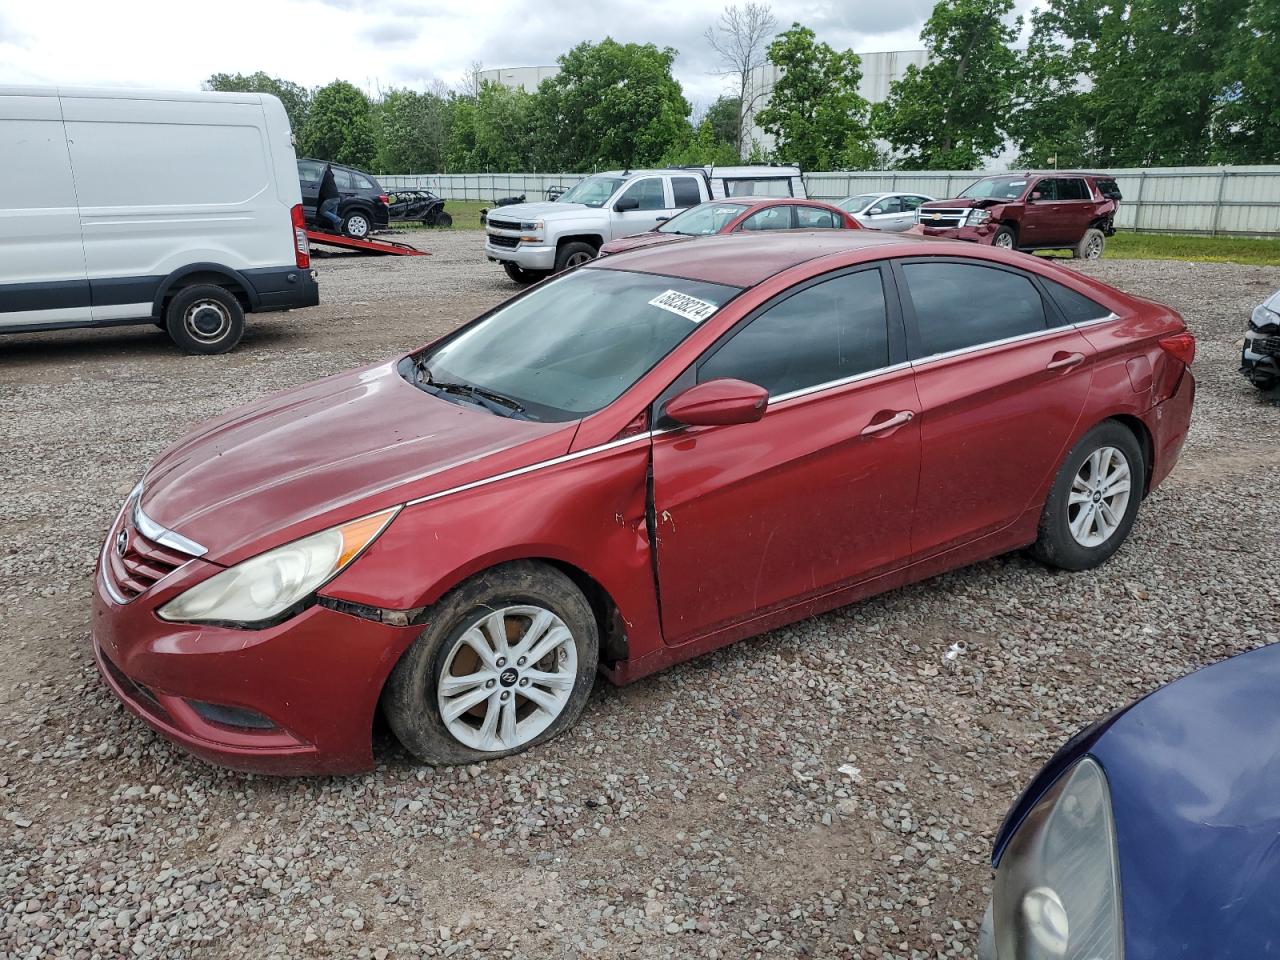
column 1153, row 834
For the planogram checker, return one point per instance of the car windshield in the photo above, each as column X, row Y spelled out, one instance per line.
column 573, row 345
column 858, row 203
column 702, row 220
column 593, row 191
column 996, row 188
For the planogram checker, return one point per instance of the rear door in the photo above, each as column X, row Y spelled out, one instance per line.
column 1001, row 390
column 42, row 271
column 816, row 495
column 1042, row 217
column 1074, row 210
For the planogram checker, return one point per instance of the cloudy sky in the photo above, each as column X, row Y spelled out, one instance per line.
column 383, row 43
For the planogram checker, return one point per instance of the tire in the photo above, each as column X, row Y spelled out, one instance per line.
column 443, row 219
column 1065, row 539
column 357, row 225
column 205, row 319
column 1090, row 246
column 520, row 275
column 521, row 594
column 574, row 254
column 1005, row 239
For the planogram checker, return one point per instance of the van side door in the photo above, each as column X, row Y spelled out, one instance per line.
column 42, row 272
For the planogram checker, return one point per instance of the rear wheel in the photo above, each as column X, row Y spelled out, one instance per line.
column 1090, row 246
column 1004, row 239
column 205, row 319
column 506, row 662
column 356, row 225
column 574, row 255
column 1094, row 499
column 442, row 219
column 520, row 275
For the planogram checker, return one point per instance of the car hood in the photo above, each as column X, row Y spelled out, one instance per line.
column 1272, row 302
column 1194, row 771
column 538, row 211
column 651, row 239
column 960, row 203
column 299, row 461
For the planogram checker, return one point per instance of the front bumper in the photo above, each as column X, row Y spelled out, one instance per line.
column 316, row 678
column 982, row 233
column 1260, row 358
column 529, row 256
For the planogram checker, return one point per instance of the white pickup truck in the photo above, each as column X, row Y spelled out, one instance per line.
column 534, row 240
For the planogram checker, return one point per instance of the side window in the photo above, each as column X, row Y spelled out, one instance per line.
column 829, row 331
column 649, row 192
column 1075, row 307
column 343, row 179
column 910, row 203
column 960, row 305
column 770, row 218
column 815, row 218
column 310, row 170
column 888, row 205
column 1047, row 188
column 684, row 190
column 1073, row 189
column 758, row 188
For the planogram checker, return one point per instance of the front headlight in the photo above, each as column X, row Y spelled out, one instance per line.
column 263, row 587
column 531, row 225
column 977, row 216
column 1264, row 319
column 1057, row 893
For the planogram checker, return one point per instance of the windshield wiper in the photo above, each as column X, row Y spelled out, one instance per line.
column 491, row 401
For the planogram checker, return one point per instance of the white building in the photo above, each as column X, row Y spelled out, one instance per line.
column 519, row 78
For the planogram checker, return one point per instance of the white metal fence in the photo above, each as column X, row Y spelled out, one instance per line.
column 1243, row 201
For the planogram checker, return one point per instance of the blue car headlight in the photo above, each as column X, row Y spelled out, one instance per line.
column 1057, row 890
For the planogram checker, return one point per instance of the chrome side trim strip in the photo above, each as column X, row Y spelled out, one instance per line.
column 832, row 384
column 162, row 535
column 542, row 465
column 1093, row 323
column 977, row 348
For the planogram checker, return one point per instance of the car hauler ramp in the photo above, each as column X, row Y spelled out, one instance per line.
column 390, row 248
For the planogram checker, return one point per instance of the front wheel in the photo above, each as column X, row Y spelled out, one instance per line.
column 574, row 255
column 205, row 319
column 1004, row 239
column 520, row 275
column 1094, row 499
column 506, row 662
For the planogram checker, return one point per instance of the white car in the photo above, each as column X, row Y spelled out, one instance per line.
column 128, row 206
column 891, row 212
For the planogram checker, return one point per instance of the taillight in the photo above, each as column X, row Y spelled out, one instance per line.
column 384, row 198
column 302, row 249
column 1180, row 346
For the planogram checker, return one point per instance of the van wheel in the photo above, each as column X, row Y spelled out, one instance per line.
column 574, row 255
column 520, row 275
column 356, row 226
column 505, row 662
column 205, row 319
column 1090, row 246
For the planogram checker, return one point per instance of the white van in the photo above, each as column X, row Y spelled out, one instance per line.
column 128, row 206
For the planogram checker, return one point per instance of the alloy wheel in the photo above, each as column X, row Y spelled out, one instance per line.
column 507, row 678
column 1004, row 241
column 1094, row 249
column 576, row 259
column 1099, row 497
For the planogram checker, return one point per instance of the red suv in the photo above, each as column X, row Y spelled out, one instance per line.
column 1030, row 211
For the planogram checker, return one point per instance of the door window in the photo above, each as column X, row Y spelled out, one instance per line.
column 770, row 218
column 310, row 170
column 887, row 205
column 1048, row 190
column 1075, row 307
column 685, row 193
column 960, row 305
column 1072, row 189
column 362, row 183
column 648, row 192
column 815, row 218
column 910, row 203
column 829, row 331
column 343, row 179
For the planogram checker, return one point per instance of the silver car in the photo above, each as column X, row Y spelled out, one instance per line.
column 884, row 211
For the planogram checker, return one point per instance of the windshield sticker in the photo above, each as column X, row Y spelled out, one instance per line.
column 691, row 308
column 1017, row 183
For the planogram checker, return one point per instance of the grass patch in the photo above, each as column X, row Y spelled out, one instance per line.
column 465, row 213
column 1160, row 246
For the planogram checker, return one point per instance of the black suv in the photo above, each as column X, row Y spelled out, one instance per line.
column 363, row 207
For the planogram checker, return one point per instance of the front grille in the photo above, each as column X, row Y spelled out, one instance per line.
column 1268, row 346
column 142, row 562
column 509, row 243
column 942, row 218
column 503, row 224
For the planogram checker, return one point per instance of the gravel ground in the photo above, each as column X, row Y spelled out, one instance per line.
column 702, row 813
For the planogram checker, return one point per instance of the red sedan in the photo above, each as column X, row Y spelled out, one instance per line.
column 735, row 215
column 644, row 459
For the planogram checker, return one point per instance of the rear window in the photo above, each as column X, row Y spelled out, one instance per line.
column 1075, row 307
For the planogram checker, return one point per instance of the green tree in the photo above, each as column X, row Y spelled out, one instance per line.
column 704, row 146
column 493, row 131
column 296, row 98
column 815, row 113
column 340, row 126
column 949, row 114
column 411, row 132
column 724, row 115
column 615, row 105
column 1247, row 126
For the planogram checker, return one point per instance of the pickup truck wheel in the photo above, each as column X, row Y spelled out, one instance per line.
column 1004, row 239
column 520, row 275
column 1090, row 246
column 574, row 255
column 205, row 319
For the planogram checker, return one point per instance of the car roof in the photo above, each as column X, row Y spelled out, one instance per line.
column 744, row 260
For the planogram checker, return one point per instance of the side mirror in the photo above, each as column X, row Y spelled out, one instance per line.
column 663, row 219
column 627, row 203
column 719, row 403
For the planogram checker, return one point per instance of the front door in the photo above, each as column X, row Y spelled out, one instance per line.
column 1001, row 392
column 816, row 495
column 651, row 195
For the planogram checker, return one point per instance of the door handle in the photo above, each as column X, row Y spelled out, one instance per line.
column 897, row 420
column 1061, row 361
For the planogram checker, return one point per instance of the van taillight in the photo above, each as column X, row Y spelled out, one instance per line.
column 1180, row 346
column 302, row 249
